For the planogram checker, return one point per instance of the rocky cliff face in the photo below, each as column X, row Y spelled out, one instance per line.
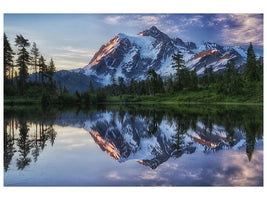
column 132, row 56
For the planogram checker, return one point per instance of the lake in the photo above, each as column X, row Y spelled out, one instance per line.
column 134, row 145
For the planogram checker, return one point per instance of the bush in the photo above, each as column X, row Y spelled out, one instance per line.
column 67, row 98
column 86, row 98
column 45, row 100
column 10, row 90
column 100, row 97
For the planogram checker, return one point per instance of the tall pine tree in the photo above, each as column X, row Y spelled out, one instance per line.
column 91, row 87
column 194, row 80
column 178, row 64
column 35, row 54
column 121, row 85
column 8, row 59
column 23, row 61
column 251, row 71
column 42, row 71
column 152, row 76
column 50, row 72
column 230, row 75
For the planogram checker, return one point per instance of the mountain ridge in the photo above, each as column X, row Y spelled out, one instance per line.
column 131, row 57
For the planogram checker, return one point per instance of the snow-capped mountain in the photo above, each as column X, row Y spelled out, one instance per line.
column 132, row 56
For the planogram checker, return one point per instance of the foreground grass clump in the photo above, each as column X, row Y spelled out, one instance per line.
column 191, row 97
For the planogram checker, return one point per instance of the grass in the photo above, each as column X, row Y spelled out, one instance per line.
column 182, row 97
column 21, row 100
column 188, row 97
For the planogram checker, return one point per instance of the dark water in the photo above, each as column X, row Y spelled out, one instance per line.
column 134, row 146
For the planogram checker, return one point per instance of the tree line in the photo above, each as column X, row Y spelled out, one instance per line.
column 232, row 81
column 16, row 71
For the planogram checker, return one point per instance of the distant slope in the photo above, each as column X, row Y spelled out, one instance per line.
column 74, row 81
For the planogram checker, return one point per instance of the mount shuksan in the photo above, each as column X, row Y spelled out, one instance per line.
column 132, row 56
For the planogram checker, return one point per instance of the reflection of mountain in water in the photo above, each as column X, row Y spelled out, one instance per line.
column 148, row 135
column 151, row 143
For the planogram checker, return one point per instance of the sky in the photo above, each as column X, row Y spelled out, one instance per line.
column 72, row 39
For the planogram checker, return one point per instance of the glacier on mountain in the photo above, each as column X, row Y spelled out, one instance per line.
column 132, row 56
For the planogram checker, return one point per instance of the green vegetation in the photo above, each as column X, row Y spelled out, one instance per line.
column 229, row 86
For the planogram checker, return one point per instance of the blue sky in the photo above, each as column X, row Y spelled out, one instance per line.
column 72, row 39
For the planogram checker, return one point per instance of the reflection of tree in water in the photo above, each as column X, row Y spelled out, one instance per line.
column 29, row 142
column 153, row 119
column 182, row 125
column 204, row 124
column 121, row 115
column 35, row 149
column 24, row 145
column 46, row 132
column 9, row 149
column 253, row 129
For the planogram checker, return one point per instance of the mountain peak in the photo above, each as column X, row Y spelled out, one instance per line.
column 154, row 28
column 154, row 32
column 131, row 56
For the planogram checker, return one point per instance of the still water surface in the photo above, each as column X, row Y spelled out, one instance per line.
column 135, row 146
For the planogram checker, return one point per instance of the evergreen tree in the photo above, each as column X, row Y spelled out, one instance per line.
column 205, row 78
column 113, row 86
column 35, row 54
column 185, row 78
column 220, row 84
column 160, row 85
column 133, row 87
column 42, row 68
column 178, row 64
column 260, row 67
column 194, row 79
column 170, row 85
column 23, row 61
column 251, row 71
column 91, row 87
column 121, row 86
column 238, row 84
column 230, row 75
column 78, row 96
column 211, row 75
column 8, row 59
column 152, row 77
column 65, row 90
column 142, row 87
column 50, row 72
column 42, row 71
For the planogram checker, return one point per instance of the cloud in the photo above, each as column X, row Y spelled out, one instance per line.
column 240, row 29
column 136, row 20
column 113, row 19
column 68, row 57
column 192, row 20
column 113, row 175
column 63, row 64
column 149, row 19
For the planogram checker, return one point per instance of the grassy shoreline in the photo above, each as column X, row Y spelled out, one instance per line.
column 146, row 100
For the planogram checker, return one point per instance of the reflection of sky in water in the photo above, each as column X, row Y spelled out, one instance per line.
column 75, row 159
